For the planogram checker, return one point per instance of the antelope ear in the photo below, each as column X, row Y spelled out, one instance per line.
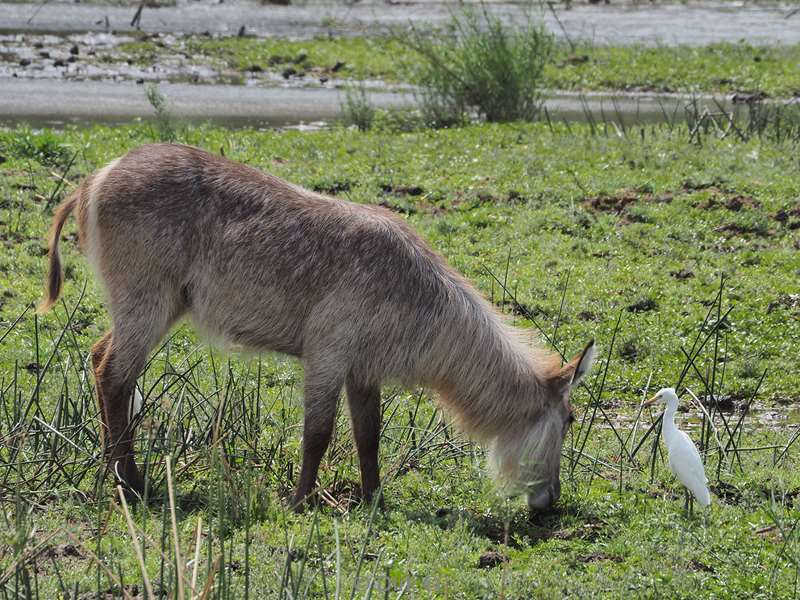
column 575, row 370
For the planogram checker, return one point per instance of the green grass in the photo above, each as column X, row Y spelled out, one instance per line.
column 641, row 226
column 723, row 67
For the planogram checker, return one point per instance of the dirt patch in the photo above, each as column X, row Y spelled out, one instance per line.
column 769, row 532
column 599, row 557
column 615, row 203
column 63, row 551
column 589, row 532
column 789, row 301
column 574, row 59
column 737, row 203
column 727, row 492
column 725, row 402
column 643, row 305
column 696, row 565
column 695, row 186
column 491, row 559
column 402, row 190
column 531, row 528
column 789, row 217
column 739, row 229
column 399, row 207
column 520, row 309
column 514, row 197
column 629, row 351
column 114, row 593
column 333, row 187
column 618, row 202
column 683, row 274
column 341, row 497
column 724, row 199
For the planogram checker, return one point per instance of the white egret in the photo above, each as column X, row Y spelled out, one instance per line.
column 684, row 459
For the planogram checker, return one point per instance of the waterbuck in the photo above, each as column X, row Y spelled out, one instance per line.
column 352, row 290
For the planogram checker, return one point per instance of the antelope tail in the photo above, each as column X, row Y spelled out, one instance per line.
column 56, row 278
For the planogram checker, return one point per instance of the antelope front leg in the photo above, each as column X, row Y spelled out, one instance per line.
column 320, row 413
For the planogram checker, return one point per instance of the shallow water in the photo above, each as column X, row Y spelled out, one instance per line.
column 645, row 23
column 88, row 101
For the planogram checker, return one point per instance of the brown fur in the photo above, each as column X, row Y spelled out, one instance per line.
column 260, row 263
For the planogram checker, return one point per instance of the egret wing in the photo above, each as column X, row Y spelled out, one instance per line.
column 686, row 464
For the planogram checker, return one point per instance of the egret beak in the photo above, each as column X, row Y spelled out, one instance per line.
column 652, row 401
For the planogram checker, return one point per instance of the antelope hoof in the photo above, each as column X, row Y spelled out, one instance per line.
column 127, row 475
column 300, row 502
column 368, row 500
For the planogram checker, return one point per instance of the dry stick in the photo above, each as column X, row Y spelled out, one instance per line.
column 210, row 579
column 174, row 519
column 136, row 22
column 136, row 548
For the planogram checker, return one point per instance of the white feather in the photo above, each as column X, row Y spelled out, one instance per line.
column 684, row 459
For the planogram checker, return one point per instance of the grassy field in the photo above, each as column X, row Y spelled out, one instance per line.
column 644, row 240
column 721, row 67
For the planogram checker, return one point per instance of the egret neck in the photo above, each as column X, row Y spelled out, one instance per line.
column 668, row 428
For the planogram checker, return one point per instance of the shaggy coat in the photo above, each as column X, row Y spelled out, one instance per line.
column 352, row 290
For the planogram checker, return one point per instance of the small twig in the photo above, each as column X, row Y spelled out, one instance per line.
column 137, row 17
column 41, row 6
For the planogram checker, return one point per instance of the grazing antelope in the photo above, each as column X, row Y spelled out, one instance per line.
column 351, row 290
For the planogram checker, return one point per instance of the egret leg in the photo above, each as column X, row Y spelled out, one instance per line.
column 686, row 504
